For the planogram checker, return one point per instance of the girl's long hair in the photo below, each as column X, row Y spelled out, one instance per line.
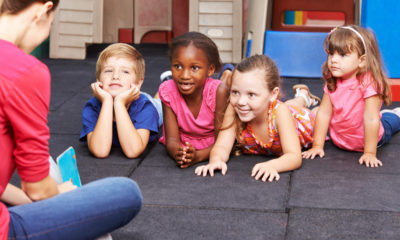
column 345, row 41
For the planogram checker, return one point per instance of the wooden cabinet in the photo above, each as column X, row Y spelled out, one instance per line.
column 221, row 20
column 76, row 23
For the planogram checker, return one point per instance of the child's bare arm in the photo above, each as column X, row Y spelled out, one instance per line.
column 291, row 158
column 100, row 140
column 323, row 118
column 172, row 139
column 221, row 105
column 14, row 196
column 220, row 152
column 133, row 141
column 371, row 132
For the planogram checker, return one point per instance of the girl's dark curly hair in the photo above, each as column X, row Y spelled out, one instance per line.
column 202, row 42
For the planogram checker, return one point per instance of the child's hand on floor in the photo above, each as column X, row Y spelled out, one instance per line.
column 265, row 171
column 99, row 93
column 313, row 152
column 128, row 96
column 370, row 160
column 210, row 167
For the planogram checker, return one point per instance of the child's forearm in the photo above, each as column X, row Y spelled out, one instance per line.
column 172, row 144
column 371, row 134
column 219, row 153
column 322, row 121
column 14, row 196
column 287, row 162
column 372, row 122
column 321, row 129
column 132, row 142
column 100, row 140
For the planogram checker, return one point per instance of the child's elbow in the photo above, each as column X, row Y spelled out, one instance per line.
column 132, row 153
column 100, row 153
column 297, row 161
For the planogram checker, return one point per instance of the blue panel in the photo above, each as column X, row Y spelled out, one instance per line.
column 297, row 54
column 383, row 18
column 289, row 17
column 248, row 50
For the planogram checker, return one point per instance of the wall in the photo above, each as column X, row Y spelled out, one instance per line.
column 117, row 14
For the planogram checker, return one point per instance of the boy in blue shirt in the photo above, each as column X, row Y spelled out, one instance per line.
column 118, row 114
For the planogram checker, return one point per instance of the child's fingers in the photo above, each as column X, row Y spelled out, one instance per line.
column 254, row 170
column 273, row 176
column 211, row 170
column 266, row 175
column 184, row 165
column 260, row 172
column 199, row 170
column 224, row 168
column 189, row 157
column 202, row 170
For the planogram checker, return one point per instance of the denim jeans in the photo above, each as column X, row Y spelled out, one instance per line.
column 84, row 213
column 391, row 125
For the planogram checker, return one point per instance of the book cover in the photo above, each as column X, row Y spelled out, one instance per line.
column 66, row 161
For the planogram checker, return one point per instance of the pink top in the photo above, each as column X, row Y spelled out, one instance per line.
column 198, row 131
column 305, row 121
column 24, row 135
column 346, row 127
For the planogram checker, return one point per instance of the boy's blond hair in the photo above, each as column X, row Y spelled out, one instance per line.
column 121, row 50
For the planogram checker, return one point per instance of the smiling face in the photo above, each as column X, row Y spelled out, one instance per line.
column 344, row 66
column 250, row 96
column 117, row 75
column 190, row 69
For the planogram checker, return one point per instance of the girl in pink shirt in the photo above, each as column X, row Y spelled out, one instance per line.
column 355, row 88
column 193, row 102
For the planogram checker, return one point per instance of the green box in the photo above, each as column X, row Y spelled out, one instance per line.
column 42, row 51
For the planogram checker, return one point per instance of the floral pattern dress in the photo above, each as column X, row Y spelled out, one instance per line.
column 305, row 121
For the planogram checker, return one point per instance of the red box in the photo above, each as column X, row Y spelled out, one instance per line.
column 125, row 35
column 395, row 86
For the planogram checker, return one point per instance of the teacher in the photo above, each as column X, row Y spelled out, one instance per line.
column 55, row 211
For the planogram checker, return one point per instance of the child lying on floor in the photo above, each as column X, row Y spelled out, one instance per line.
column 355, row 88
column 119, row 114
column 261, row 123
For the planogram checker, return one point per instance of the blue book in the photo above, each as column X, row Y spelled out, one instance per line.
column 66, row 162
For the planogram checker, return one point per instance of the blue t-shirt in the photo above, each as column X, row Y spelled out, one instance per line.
column 142, row 112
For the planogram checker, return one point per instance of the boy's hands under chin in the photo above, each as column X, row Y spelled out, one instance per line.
column 99, row 93
column 128, row 96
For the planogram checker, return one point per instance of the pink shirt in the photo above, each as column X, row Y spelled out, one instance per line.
column 346, row 127
column 24, row 105
column 198, row 131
